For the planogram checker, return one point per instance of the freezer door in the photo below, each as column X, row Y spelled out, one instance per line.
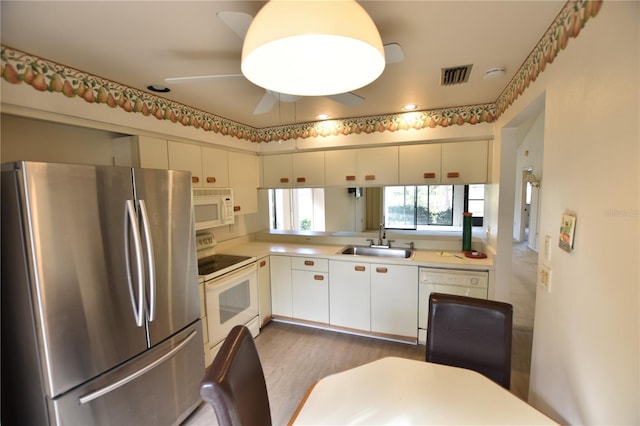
column 173, row 299
column 73, row 231
column 160, row 387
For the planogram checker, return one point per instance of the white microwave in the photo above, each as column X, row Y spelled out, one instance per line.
column 212, row 207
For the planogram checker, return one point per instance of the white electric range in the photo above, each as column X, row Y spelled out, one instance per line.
column 230, row 293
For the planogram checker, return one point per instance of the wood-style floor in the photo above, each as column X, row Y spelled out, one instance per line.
column 294, row 357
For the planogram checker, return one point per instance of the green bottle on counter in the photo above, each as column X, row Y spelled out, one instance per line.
column 467, row 222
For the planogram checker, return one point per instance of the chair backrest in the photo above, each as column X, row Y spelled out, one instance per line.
column 471, row 333
column 234, row 384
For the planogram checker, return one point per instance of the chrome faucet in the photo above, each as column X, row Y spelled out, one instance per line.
column 382, row 234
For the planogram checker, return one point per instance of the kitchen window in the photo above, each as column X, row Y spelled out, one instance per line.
column 418, row 207
column 299, row 209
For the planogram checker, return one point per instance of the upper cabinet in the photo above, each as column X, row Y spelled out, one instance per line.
column 465, row 162
column 420, row 164
column 308, row 169
column 302, row 170
column 208, row 166
column 244, row 179
column 140, row 151
column 215, row 167
column 187, row 157
column 362, row 167
column 277, row 171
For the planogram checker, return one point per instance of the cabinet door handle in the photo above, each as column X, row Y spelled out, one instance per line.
column 309, row 262
column 236, row 208
column 284, row 180
column 211, row 179
column 318, row 277
column 359, row 268
column 370, row 177
column 429, row 175
column 381, row 270
column 263, row 263
column 195, row 179
column 350, row 178
column 453, row 174
column 301, row 180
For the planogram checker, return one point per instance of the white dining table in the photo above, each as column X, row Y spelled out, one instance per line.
column 398, row 391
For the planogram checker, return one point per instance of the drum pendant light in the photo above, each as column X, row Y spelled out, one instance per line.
column 312, row 47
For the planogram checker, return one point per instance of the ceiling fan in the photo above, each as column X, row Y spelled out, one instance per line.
column 239, row 23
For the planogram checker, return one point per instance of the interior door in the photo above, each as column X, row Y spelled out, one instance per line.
column 78, row 278
column 167, row 198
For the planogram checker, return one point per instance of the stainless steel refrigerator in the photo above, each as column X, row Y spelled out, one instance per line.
column 100, row 299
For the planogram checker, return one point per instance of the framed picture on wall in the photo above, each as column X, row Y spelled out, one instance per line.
column 567, row 231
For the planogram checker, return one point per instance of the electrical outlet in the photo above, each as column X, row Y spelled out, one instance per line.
column 544, row 277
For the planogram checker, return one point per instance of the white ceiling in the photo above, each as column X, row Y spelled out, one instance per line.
column 138, row 43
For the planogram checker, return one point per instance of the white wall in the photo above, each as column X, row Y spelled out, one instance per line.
column 585, row 360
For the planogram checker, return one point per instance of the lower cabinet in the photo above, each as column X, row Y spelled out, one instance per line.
column 350, row 295
column 281, row 294
column 394, row 300
column 264, row 290
column 300, row 288
column 310, row 289
column 369, row 297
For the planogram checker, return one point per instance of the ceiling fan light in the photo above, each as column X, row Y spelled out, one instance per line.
column 312, row 47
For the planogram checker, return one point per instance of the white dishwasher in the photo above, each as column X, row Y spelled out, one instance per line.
column 450, row 281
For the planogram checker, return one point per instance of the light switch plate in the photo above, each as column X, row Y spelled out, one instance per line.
column 547, row 248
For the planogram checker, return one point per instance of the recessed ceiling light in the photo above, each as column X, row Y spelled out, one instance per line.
column 158, row 89
column 409, row 107
column 322, row 116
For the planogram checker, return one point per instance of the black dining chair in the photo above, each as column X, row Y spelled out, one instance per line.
column 471, row 333
column 234, row 384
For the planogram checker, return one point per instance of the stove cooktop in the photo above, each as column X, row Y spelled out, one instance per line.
column 217, row 262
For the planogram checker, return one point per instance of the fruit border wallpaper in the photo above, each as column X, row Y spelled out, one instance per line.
column 44, row 75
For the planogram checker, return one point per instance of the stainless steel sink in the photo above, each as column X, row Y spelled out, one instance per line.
column 398, row 253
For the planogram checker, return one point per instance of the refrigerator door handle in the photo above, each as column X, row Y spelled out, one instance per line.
column 131, row 226
column 115, row 385
column 151, row 312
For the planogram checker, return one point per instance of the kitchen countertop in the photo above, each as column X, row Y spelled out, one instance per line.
column 427, row 258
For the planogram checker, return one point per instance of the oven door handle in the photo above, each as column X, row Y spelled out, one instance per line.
column 214, row 282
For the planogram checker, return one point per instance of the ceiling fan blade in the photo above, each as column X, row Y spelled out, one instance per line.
column 197, row 78
column 348, row 99
column 238, row 22
column 393, row 53
column 266, row 103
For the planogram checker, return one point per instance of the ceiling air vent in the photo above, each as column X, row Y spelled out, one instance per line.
column 455, row 75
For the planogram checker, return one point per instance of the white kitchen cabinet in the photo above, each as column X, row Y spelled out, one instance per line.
column 308, row 169
column 419, row 164
column 303, row 170
column 244, row 178
column 363, row 167
column 341, row 167
column 465, row 162
column 281, row 289
column 215, row 167
column 187, row 157
column 140, row 151
column 378, row 166
column 310, row 297
column 264, row 290
column 350, row 295
column 394, row 300
column 277, row 171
